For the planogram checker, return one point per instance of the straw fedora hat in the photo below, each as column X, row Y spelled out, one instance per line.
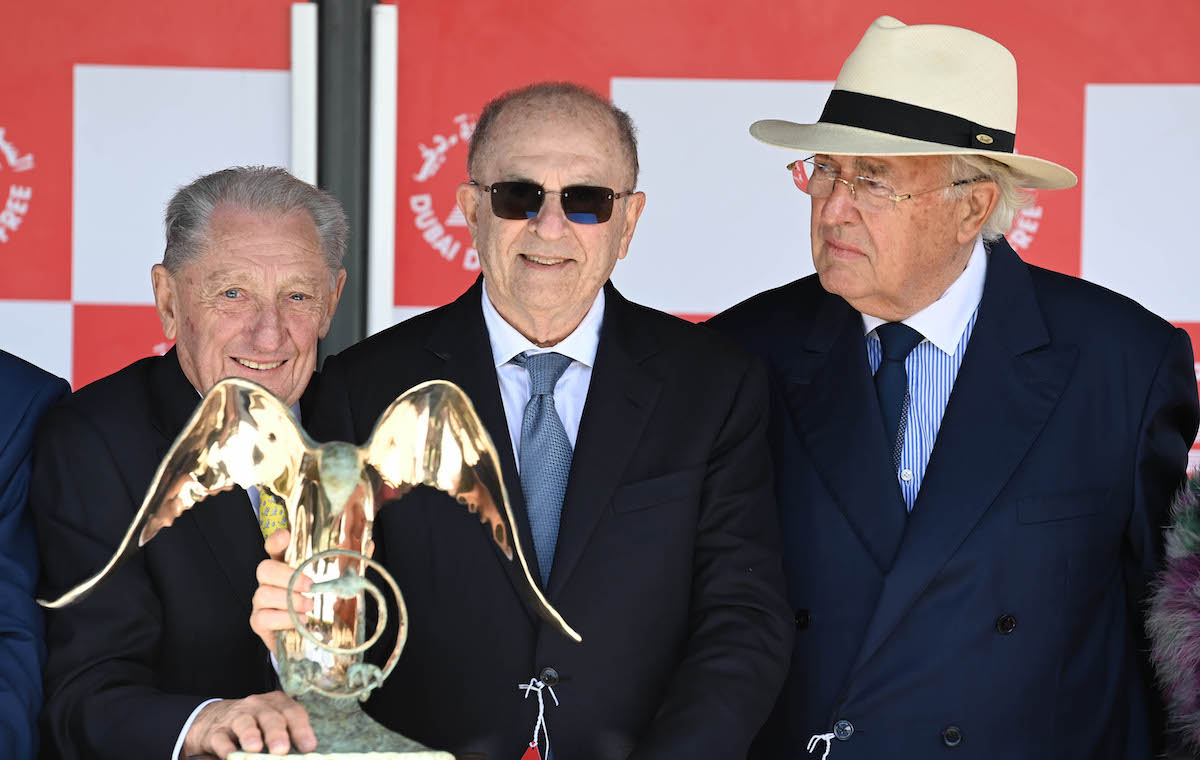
column 920, row 91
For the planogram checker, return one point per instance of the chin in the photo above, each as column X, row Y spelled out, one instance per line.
column 841, row 283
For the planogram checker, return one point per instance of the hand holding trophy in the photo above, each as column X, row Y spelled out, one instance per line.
column 241, row 435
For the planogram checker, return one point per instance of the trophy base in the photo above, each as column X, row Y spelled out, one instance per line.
column 345, row 732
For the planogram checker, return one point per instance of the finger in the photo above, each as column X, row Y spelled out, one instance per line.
column 275, row 598
column 266, row 622
column 274, row 573
column 275, row 731
column 299, row 728
column 277, row 544
column 222, row 744
column 245, row 728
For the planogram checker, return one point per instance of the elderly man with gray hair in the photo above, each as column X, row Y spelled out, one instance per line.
column 159, row 663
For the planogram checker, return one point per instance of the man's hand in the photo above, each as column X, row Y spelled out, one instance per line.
column 273, row 719
column 269, row 613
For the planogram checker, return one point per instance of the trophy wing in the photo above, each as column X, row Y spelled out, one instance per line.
column 431, row 435
column 240, row 435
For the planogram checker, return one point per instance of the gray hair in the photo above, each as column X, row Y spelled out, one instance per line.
column 1012, row 183
column 554, row 95
column 263, row 189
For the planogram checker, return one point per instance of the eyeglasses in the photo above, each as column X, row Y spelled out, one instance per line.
column 582, row 204
column 818, row 179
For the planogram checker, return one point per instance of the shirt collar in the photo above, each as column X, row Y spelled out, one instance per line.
column 579, row 346
column 944, row 321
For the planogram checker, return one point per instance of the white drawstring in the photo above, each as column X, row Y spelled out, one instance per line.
column 815, row 741
column 535, row 685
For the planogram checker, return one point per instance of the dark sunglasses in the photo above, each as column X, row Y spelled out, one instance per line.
column 582, row 204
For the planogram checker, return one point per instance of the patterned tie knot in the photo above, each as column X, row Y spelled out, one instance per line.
column 272, row 515
column 544, row 370
column 898, row 340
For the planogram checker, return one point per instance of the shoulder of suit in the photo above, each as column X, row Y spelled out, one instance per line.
column 677, row 337
column 26, row 392
column 403, row 336
column 113, row 399
column 1086, row 310
column 798, row 297
column 22, row 381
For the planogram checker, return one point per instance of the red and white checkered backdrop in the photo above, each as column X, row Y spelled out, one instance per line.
column 105, row 108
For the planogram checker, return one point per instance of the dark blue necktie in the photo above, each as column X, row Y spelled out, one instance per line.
column 891, row 381
column 545, row 455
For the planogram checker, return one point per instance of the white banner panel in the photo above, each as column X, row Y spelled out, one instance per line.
column 39, row 332
column 1140, row 157
column 723, row 219
column 140, row 133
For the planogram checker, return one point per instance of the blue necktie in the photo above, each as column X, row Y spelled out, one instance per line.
column 891, row 382
column 545, row 455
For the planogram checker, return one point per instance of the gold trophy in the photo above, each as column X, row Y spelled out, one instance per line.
column 241, row 435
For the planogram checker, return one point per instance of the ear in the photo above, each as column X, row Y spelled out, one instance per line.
column 166, row 299
column 633, row 211
column 975, row 209
column 334, row 297
column 468, row 203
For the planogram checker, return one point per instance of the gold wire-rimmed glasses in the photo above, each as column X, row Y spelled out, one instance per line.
column 818, row 179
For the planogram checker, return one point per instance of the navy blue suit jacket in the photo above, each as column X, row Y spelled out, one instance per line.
column 1003, row 618
column 25, row 394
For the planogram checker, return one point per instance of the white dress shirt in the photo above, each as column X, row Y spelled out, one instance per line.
column 571, row 390
column 933, row 365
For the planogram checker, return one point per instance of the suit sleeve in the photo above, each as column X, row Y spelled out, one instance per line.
column 22, row 652
column 101, row 698
column 1166, row 433
column 741, row 629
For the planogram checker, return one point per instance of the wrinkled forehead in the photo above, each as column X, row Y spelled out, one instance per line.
column 284, row 245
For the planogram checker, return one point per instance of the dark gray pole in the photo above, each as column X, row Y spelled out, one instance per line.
column 343, row 148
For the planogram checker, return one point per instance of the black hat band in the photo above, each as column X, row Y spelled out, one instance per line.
column 855, row 109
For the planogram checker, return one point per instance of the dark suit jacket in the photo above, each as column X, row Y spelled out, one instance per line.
column 667, row 559
column 1008, row 605
column 25, row 394
column 128, row 665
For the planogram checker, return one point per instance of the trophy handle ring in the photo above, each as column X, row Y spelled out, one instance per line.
column 381, row 623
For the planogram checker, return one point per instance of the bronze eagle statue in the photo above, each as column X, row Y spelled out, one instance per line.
column 241, row 435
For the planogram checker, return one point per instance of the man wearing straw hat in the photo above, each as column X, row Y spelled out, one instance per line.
column 974, row 456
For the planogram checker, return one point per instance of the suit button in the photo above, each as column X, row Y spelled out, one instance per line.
column 548, row 676
column 1006, row 624
column 952, row 736
column 802, row 620
column 843, row 729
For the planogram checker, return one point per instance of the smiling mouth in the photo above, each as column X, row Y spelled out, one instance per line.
column 261, row 366
column 543, row 261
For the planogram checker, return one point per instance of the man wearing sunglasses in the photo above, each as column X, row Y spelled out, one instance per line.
column 974, row 456
column 634, row 449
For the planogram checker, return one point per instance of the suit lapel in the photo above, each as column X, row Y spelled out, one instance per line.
column 831, row 396
column 1010, row 380
column 621, row 396
column 460, row 339
column 225, row 521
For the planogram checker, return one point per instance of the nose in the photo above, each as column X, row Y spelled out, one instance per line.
column 839, row 207
column 551, row 222
column 267, row 332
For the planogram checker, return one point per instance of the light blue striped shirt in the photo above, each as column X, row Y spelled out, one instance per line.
column 933, row 365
